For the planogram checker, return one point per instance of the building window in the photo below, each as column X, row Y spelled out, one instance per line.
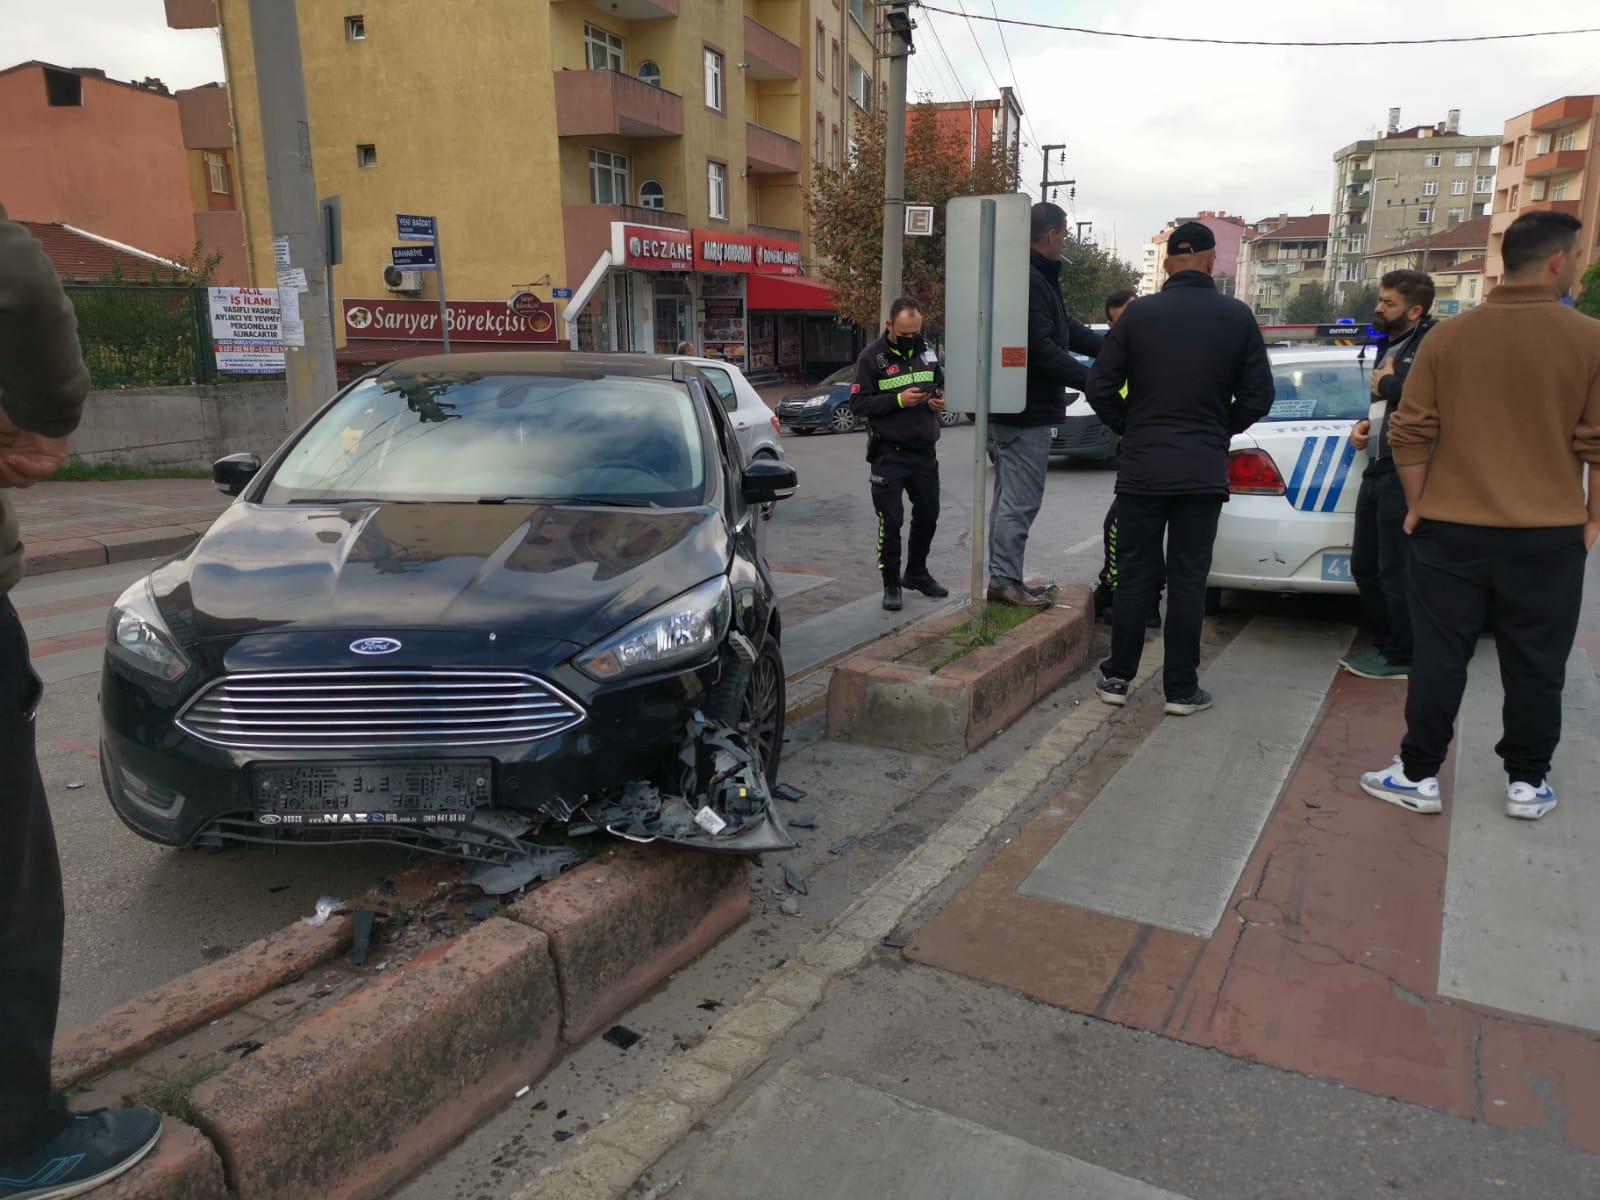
column 62, row 89
column 1463, row 158
column 1514, row 199
column 858, row 11
column 1536, row 190
column 1569, row 140
column 1424, row 216
column 1455, row 215
column 714, row 97
column 816, row 144
column 355, row 29
column 1458, row 187
column 217, row 169
column 1430, row 188
column 1522, row 148
column 1482, row 184
column 649, row 73
column 652, row 195
column 717, row 190
column 1558, row 190
column 366, row 156
column 1543, row 145
column 822, row 49
column 833, row 65
column 1431, row 160
column 860, row 88
column 833, row 153
column 602, row 49
column 608, row 177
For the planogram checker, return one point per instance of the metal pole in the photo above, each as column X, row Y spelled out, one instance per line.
column 980, row 412
column 292, row 195
column 444, row 310
column 894, row 175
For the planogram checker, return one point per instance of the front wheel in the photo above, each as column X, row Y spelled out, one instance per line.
column 753, row 699
column 843, row 419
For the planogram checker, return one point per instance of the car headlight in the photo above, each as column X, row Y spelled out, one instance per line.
column 680, row 629
column 137, row 635
column 817, row 403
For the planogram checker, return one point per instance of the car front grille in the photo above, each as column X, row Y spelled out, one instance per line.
column 367, row 710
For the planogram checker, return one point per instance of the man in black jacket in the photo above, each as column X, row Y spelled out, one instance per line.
column 1020, row 442
column 1197, row 373
column 1378, row 554
column 899, row 392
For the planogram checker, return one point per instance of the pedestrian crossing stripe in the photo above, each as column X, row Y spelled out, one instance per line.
column 1319, row 474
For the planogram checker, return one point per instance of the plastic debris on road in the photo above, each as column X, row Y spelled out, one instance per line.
column 796, row 881
column 622, row 1037
column 326, row 907
column 361, row 936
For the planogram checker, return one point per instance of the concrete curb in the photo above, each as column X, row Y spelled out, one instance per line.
column 183, row 1166
column 609, row 1159
column 116, row 546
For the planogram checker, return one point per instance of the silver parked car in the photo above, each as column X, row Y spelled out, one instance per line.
column 757, row 427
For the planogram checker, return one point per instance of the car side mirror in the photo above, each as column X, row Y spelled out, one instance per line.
column 766, row 480
column 232, row 473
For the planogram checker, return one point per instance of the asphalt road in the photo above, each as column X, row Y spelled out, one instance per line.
column 140, row 914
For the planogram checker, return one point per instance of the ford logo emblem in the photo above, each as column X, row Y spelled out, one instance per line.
column 269, row 818
column 377, row 645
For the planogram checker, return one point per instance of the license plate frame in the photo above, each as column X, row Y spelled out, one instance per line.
column 384, row 792
column 1336, row 568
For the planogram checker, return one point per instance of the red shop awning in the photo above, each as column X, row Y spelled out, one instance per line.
column 789, row 293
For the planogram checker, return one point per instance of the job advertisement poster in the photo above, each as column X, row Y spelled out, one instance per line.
column 247, row 330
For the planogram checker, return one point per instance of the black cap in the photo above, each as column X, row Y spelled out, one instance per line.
column 1191, row 238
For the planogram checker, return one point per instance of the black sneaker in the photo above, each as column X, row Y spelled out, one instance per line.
column 891, row 598
column 1199, row 702
column 1112, row 690
column 921, row 581
column 94, row 1147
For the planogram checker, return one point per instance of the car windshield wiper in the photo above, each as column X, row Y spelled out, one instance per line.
column 588, row 501
column 336, row 500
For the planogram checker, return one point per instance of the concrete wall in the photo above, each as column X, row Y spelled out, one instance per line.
column 189, row 427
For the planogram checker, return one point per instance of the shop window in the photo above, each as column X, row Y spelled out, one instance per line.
column 608, row 177
column 652, row 195
column 602, row 49
column 650, row 73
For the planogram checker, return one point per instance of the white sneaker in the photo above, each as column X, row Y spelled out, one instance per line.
column 1529, row 803
column 1391, row 784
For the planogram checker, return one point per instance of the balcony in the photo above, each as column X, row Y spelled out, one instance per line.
column 1361, row 175
column 771, row 153
column 590, row 103
column 203, row 117
column 634, row 10
column 1358, row 201
column 776, row 233
column 191, row 14
column 1570, row 207
column 1557, row 162
column 587, row 230
column 1559, row 113
column 770, row 55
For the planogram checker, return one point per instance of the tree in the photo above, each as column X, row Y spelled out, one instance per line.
column 1589, row 296
column 1311, row 305
column 1359, row 303
column 846, row 207
column 1090, row 274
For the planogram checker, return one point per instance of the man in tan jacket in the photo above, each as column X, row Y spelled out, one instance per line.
column 45, row 1152
column 1498, row 421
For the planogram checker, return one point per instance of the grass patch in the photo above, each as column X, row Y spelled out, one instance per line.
column 82, row 472
column 171, row 1096
column 998, row 619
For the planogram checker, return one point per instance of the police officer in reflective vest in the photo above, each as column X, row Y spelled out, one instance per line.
column 899, row 392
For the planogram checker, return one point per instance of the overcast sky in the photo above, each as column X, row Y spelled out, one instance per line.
column 1153, row 131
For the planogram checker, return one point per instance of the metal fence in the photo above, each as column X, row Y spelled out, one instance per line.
column 143, row 335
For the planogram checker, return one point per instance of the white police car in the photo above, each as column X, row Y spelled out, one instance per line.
column 1290, row 521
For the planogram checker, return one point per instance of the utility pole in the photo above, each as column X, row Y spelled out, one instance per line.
column 898, row 19
column 1081, row 226
column 1045, row 182
column 292, row 198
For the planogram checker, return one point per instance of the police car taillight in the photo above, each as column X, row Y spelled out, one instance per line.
column 1253, row 473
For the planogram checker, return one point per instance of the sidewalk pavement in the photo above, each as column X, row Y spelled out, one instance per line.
column 67, row 526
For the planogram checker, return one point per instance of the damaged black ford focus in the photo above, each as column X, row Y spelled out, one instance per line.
column 479, row 605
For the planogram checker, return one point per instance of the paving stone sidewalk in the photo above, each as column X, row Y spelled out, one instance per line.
column 66, row 526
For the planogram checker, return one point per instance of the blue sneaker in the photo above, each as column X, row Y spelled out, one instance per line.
column 1529, row 803
column 95, row 1147
column 1391, row 784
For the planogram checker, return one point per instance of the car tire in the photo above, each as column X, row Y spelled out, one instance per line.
column 743, row 689
column 843, row 420
column 802, row 432
column 1213, row 601
column 950, row 420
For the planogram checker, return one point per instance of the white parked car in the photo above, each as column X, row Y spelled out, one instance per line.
column 1290, row 521
column 758, row 428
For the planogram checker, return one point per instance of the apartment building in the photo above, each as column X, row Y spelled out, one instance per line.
column 1443, row 255
column 976, row 125
column 1276, row 264
column 649, row 156
column 1393, row 189
column 1548, row 161
column 127, row 161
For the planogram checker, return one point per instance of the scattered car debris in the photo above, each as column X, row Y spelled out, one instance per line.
column 325, row 909
column 387, row 887
column 76, row 785
column 562, row 1115
column 276, row 888
column 245, row 1049
column 787, row 791
column 541, row 1106
column 523, row 1091
column 796, row 881
column 803, row 822
column 709, row 1005
column 897, row 941
column 790, row 907
column 361, row 936
column 622, row 1037
column 481, row 911
column 843, row 844
column 562, row 1135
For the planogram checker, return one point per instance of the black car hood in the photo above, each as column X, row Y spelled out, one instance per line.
column 552, row 573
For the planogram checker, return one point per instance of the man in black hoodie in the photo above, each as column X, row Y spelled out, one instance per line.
column 1197, row 373
column 1020, row 441
column 1378, row 555
column 899, row 392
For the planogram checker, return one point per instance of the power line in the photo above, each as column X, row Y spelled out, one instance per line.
column 974, row 32
column 1205, row 41
column 1027, row 120
column 939, row 43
